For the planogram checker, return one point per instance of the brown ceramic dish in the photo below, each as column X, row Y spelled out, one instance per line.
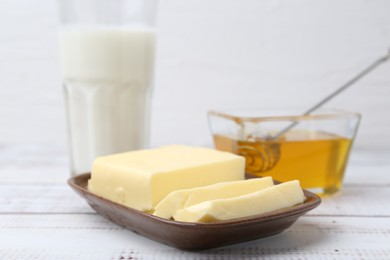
column 194, row 236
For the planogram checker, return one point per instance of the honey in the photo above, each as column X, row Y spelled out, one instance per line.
column 316, row 159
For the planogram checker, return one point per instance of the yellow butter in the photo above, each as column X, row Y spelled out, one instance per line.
column 181, row 199
column 141, row 179
column 273, row 198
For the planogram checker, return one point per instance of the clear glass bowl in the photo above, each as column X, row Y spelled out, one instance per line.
column 313, row 149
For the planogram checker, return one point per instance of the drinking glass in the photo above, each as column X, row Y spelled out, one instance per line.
column 107, row 50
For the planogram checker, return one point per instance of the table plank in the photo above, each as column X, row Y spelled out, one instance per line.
column 59, row 198
column 40, row 198
column 43, row 163
column 356, row 201
column 91, row 236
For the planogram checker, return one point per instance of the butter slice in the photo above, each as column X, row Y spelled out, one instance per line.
column 273, row 198
column 180, row 199
column 140, row 179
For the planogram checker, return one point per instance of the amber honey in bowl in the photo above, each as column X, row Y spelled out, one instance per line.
column 316, row 158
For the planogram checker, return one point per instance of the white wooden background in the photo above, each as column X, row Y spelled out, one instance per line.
column 211, row 54
column 255, row 54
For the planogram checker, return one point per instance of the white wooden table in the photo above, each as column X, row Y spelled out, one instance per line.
column 42, row 218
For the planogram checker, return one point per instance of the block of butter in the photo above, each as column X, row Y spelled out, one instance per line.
column 141, row 179
column 180, row 199
column 276, row 197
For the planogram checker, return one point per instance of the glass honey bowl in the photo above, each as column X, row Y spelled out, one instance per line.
column 313, row 149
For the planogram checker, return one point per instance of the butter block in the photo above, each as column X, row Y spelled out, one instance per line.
column 273, row 198
column 180, row 199
column 141, row 179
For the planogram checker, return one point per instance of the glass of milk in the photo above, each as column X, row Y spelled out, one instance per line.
column 107, row 58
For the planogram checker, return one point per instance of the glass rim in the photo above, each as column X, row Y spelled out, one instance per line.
column 332, row 114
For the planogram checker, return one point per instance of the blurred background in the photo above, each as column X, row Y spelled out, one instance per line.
column 212, row 54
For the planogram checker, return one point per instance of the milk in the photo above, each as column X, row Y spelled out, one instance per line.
column 107, row 75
